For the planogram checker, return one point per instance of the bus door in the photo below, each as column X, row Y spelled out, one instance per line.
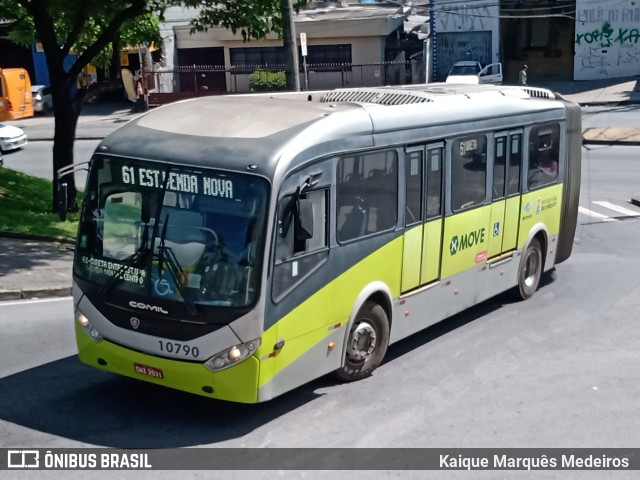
column 467, row 228
column 505, row 207
column 423, row 216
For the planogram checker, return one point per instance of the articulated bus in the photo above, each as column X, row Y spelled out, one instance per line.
column 237, row 247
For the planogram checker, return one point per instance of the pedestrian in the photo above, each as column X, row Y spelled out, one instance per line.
column 141, row 103
column 522, row 76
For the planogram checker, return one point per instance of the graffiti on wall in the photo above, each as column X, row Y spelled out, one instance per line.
column 467, row 19
column 607, row 36
column 607, row 41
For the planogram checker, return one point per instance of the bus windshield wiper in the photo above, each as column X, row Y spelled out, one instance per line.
column 174, row 268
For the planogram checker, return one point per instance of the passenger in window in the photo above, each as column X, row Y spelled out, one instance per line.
column 549, row 165
column 544, row 171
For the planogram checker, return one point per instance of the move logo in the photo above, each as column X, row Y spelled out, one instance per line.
column 462, row 242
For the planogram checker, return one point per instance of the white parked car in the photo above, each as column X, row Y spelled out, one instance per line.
column 41, row 98
column 471, row 72
column 11, row 137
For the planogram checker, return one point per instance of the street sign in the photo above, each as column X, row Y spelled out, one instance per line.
column 303, row 43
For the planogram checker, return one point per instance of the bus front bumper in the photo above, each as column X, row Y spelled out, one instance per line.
column 238, row 383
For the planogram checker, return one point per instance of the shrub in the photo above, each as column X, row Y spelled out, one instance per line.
column 267, row 81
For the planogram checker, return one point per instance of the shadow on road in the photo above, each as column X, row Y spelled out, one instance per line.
column 572, row 88
column 68, row 399
column 459, row 320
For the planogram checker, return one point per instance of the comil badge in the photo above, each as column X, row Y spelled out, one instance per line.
column 135, row 322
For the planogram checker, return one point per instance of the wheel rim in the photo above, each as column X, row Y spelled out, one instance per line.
column 363, row 342
column 531, row 269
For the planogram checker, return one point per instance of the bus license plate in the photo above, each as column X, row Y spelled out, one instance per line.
column 147, row 370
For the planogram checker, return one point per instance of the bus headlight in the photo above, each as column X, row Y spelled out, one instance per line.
column 232, row 356
column 87, row 327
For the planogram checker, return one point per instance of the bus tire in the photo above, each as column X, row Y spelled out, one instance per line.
column 530, row 270
column 367, row 343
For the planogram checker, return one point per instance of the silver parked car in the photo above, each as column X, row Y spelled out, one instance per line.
column 42, row 99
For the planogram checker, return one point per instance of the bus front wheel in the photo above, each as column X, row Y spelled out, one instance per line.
column 530, row 270
column 367, row 343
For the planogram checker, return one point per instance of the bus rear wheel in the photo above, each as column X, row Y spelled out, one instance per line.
column 530, row 270
column 367, row 343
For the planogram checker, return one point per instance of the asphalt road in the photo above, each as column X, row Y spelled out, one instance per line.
column 610, row 116
column 559, row 370
column 36, row 159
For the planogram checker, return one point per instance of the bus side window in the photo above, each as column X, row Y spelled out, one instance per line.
column 544, row 154
column 499, row 167
column 468, row 172
column 434, row 182
column 413, row 187
column 295, row 259
column 287, row 245
column 367, row 194
column 515, row 162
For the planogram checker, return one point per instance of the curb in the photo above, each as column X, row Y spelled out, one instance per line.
column 586, row 141
column 42, row 238
column 35, row 294
column 81, row 137
column 615, row 103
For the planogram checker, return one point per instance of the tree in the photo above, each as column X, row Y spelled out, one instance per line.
column 84, row 28
column 144, row 30
column 88, row 28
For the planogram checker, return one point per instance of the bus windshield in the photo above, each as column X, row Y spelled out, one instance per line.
column 174, row 233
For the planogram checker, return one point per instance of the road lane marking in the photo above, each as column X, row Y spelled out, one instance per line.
column 619, row 209
column 591, row 213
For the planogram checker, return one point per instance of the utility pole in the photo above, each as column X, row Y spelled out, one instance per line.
column 290, row 45
column 431, row 43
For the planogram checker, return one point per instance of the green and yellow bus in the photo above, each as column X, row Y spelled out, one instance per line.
column 237, row 247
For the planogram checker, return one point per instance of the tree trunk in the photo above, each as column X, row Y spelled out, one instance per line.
column 290, row 46
column 66, row 119
column 114, row 67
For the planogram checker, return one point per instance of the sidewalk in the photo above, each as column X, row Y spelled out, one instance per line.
column 31, row 268
column 603, row 92
column 95, row 122
column 38, row 268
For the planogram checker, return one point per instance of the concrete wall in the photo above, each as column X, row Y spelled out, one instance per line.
column 607, row 41
column 363, row 27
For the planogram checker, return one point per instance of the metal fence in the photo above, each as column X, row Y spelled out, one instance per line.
column 185, row 82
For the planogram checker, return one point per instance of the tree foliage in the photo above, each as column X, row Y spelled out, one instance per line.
column 85, row 28
column 254, row 19
column 88, row 28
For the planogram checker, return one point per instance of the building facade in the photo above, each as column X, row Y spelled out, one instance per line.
column 464, row 31
column 557, row 39
column 539, row 33
column 607, row 39
column 336, row 34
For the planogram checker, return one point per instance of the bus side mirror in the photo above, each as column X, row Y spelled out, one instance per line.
column 61, row 200
column 303, row 229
